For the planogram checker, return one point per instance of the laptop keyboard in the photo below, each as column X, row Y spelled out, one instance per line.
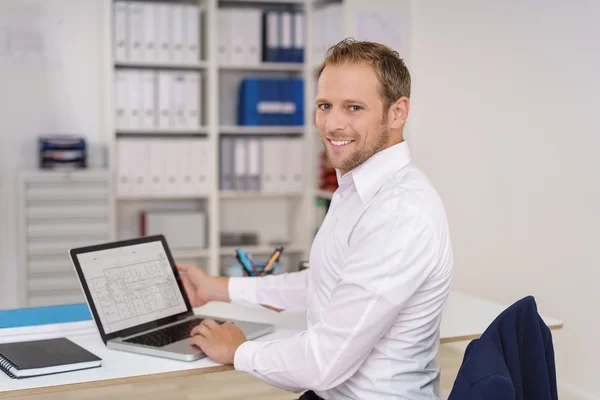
column 165, row 336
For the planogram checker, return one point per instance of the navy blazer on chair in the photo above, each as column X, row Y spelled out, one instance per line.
column 513, row 359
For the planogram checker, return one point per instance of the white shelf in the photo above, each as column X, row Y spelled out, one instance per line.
column 299, row 2
column 261, row 130
column 156, row 64
column 324, row 194
column 250, row 194
column 266, row 66
column 162, row 196
column 261, row 249
column 190, row 253
column 163, row 131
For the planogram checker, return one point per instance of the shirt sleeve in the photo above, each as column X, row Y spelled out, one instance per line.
column 285, row 291
column 392, row 254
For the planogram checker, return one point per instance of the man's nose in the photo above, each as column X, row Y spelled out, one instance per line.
column 335, row 121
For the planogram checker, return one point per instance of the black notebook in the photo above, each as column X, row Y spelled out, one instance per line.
column 43, row 357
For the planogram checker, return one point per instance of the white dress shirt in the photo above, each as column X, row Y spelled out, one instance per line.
column 379, row 276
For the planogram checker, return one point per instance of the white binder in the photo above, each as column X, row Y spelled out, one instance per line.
column 157, row 168
column 237, row 24
column 253, row 172
column 150, row 37
column 148, row 99
column 121, row 99
column 179, row 85
column 136, row 30
column 120, row 41
column 163, row 12
column 135, row 96
column 193, row 34
column 193, row 92
column 124, row 175
column 252, row 36
column 240, row 163
column 178, row 30
column 286, row 36
column 165, row 119
column 224, row 36
column 298, row 39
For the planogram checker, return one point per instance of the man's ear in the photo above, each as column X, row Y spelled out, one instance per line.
column 398, row 113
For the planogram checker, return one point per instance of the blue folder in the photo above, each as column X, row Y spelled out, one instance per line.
column 44, row 315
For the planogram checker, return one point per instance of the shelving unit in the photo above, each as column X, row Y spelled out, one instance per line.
column 290, row 215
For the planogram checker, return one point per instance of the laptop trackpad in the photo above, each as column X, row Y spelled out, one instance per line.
column 183, row 347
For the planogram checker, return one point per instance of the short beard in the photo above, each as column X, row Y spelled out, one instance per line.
column 362, row 155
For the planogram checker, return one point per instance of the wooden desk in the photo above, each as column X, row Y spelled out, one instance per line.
column 465, row 318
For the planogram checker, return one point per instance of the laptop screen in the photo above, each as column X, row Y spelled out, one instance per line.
column 131, row 285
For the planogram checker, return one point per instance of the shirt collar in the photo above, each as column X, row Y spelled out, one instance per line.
column 370, row 176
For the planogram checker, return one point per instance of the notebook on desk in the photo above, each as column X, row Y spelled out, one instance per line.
column 44, row 357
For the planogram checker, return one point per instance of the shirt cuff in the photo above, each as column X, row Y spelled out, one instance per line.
column 242, row 359
column 242, row 290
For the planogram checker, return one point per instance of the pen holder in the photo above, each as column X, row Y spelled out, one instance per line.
column 236, row 270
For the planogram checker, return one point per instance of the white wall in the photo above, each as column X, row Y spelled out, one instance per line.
column 506, row 103
column 58, row 89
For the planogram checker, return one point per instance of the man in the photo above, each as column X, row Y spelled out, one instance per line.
column 380, row 264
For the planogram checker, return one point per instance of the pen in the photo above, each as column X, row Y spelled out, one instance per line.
column 274, row 257
column 241, row 257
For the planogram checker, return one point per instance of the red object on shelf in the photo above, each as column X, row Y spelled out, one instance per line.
column 327, row 175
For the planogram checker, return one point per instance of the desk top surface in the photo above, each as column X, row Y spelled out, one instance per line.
column 465, row 317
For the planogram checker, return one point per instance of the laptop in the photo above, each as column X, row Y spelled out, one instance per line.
column 137, row 299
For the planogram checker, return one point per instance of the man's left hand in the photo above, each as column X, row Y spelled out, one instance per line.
column 218, row 341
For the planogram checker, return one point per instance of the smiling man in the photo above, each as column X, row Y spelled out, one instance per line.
column 380, row 264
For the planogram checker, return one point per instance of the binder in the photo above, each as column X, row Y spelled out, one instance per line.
column 163, row 13
column 226, row 162
column 136, row 30
column 178, row 29
column 286, row 50
column 157, row 168
column 193, row 92
column 179, row 101
column 201, row 166
column 271, row 36
column 295, row 165
column 121, row 99
column 236, row 25
column 298, row 39
column 252, row 36
column 165, row 117
column 134, row 95
column 150, row 36
column 193, row 26
column 148, row 99
column 270, row 165
column 240, row 164
column 224, row 39
column 120, row 40
column 124, row 173
column 254, row 156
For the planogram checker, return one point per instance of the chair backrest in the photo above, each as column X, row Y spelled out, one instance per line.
column 513, row 358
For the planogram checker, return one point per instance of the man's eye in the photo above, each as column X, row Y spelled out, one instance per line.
column 324, row 106
column 355, row 108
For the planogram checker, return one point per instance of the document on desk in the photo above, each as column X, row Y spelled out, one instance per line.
column 131, row 285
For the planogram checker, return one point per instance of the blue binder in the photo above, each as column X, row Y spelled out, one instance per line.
column 271, row 102
column 44, row 315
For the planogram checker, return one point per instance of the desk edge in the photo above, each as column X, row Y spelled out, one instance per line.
column 114, row 381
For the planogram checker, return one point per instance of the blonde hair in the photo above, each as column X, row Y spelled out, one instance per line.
column 393, row 76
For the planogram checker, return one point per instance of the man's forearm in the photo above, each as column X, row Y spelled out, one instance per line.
column 218, row 289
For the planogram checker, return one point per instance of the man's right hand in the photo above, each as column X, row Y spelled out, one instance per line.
column 201, row 287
